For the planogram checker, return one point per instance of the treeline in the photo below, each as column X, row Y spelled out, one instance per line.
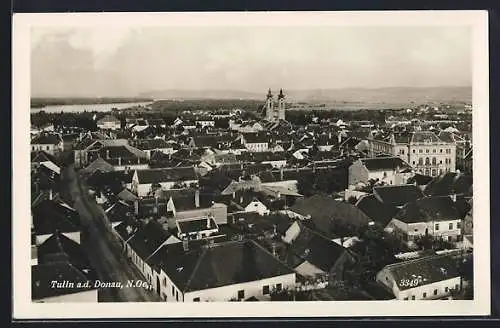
column 81, row 120
column 42, row 102
column 301, row 117
column 207, row 105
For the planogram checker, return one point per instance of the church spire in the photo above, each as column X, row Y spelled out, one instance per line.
column 281, row 95
column 269, row 93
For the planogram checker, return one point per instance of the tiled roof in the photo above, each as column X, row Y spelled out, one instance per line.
column 46, row 139
column 376, row 210
column 325, row 212
column 384, row 163
column 107, row 119
column 166, row 174
column 256, row 137
column 440, row 208
column 450, row 183
column 316, row 249
column 50, row 216
column 218, row 265
column 148, row 238
column 425, row 270
column 424, row 137
column 195, row 225
column 396, row 196
column 149, row 144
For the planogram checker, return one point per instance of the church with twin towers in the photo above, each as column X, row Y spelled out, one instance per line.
column 275, row 111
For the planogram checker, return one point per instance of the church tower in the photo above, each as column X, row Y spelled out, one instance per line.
column 281, row 105
column 269, row 106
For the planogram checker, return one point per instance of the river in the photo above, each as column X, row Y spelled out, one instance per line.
column 87, row 107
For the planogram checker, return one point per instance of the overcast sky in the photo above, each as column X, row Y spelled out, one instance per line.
column 125, row 62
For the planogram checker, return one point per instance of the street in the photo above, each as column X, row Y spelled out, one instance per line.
column 105, row 257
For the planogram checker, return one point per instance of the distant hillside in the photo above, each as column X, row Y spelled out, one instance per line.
column 381, row 96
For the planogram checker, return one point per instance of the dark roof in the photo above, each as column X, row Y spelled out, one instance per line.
column 440, row 208
column 42, row 156
column 221, row 264
column 43, row 274
column 148, row 238
column 196, row 225
column 450, row 183
column 376, row 210
column 316, row 249
column 46, row 139
column 119, row 211
column 426, row 270
column 326, row 212
column 148, row 144
column 126, row 229
column 108, row 118
column 384, row 163
column 166, row 174
column 256, row 137
column 58, row 247
column 50, row 216
column 420, row 179
column 425, row 136
column 397, row 196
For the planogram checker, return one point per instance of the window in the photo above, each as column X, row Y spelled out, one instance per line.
column 427, row 151
column 434, row 161
column 435, row 291
column 420, row 151
column 413, row 162
column 420, row 161
column 165, row 282
column 434, row 151
column 406, row 298
column 441, row 162
column 196, row 299
column 427, row 161
column 265, row 290
column 414, row 151
column 32, row 147
column 173, row 290
column 440, row 150
column 433, row 172
column 177, row 296
column 413, row 297
column 456, row 286
column 241, row 294
column 449, row 238
column 279, row 287
column 48, row 147
column 436, row 227
column 458, row 225
column 424, row 295
column 446, row 289
column 450, row 226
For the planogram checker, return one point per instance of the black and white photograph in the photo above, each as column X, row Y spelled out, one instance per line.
column 260, row 163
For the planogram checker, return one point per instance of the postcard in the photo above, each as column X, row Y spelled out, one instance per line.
column 265, row 164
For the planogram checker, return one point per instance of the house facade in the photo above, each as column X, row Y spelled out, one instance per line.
column 387, row 170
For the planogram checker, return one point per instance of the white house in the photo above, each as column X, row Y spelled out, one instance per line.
column 255, row 142
column 257, row 206
column 196, row 228
column 218, row 272
column 50, row 143
column 166, row 178
column 437, row 217
column 426, row 278
column 389, row 170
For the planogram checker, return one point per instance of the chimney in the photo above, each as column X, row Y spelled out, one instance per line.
column 185, row 244
column 234, row 194
column 273, row 249
column 136, row 207
column 208, row 222
column 50, row 194
column 107, row 153
column 281, row 173
column 453, row 197
column 197, row 198
column 156, row 211
column 119, row 161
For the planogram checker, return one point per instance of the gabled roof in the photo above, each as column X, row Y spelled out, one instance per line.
column 327, row 212
column 440, row 208
column 196, row 224
column 150, row 144
column 108, row 119
column 420, row 179
column 50, row 216
column 42, row 156
column 425, row 137
column 148, row 238
column 256, row 137
column 46, row 139
column 376, row 210
column 425, row 270
column 217, row 265
column 314, row 248
column 396, row 196
column 43, row 274
column 450, row 183
column 166, row 174
column 121, row 151
column 384, row 163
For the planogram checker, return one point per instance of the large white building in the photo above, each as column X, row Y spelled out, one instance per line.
column 423, row 150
